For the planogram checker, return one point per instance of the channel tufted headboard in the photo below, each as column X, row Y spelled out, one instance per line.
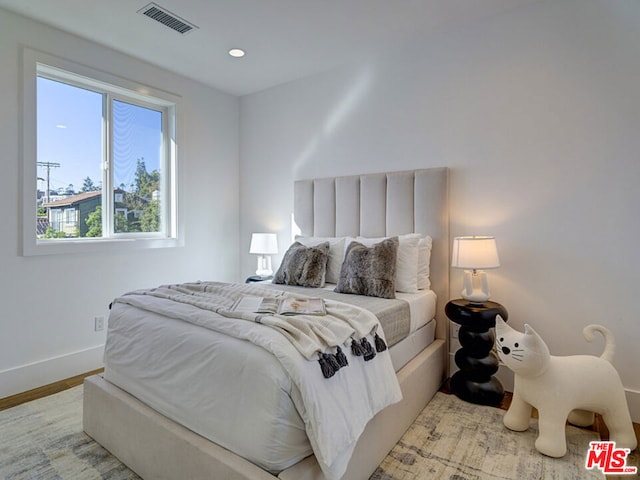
column 383, row 204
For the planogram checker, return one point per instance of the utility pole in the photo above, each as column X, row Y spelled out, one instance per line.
column 48, row 166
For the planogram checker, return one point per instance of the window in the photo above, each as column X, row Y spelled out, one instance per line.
column 56, row 220
column 100, row 155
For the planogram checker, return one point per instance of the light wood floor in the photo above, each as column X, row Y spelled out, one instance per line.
column 56, row 387
column 45, row 391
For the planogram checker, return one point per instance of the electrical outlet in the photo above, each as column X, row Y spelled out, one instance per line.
column 454, row 330
column 98, row 323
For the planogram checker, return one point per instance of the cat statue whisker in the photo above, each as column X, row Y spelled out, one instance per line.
column 561, row 388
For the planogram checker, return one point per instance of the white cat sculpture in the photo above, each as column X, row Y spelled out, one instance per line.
column 570, row 387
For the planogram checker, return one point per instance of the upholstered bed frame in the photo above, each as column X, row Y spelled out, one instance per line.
column 370, row 205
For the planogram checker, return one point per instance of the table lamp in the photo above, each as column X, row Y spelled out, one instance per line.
column 475, row 254
column 264, row 245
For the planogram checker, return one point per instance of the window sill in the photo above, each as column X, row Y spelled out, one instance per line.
column 106, row 245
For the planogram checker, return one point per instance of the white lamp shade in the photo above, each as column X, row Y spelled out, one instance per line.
column 264, row 243
column 475, row 253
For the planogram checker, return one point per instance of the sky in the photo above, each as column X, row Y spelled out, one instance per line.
column 69, row 126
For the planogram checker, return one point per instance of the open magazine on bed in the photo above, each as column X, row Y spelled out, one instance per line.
column 280, row 306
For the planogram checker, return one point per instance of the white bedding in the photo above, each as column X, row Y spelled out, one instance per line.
column 181, row 371
column 422, row 305
column 403, row 351
column 178, row 368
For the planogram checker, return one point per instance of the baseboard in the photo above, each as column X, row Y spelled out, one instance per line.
column 633, row 400
column 506, row 378
column 34, row 375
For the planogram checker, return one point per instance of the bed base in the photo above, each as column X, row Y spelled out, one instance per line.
column 157, row 448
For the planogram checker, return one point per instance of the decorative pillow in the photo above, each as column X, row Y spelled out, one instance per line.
column 303, row 266
column 336, row 254
column 370, row 270
column 424, row 262
column 406, row 262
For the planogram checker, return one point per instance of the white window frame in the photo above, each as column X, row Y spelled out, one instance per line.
column 70, row 216
column 38, row 63
column 56, row 218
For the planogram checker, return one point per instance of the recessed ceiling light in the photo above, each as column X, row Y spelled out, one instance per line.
column 236, row 52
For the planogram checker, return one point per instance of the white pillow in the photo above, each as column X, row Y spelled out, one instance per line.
column 406, row 263
column 424, row 260
column 336, row 254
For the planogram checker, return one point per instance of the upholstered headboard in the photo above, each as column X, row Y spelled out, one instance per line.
column 383, row 204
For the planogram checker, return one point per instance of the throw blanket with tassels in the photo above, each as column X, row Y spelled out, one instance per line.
column 315, row 337
column 335, row 411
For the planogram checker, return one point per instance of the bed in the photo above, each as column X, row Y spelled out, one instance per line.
column 138, row 424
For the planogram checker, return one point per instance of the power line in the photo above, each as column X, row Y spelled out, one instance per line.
column 48, row 166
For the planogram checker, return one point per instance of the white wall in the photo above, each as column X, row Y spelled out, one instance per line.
column 537, row 113
column 48, row 302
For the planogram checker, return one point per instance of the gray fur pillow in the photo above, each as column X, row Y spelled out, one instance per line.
column 370, row 270
column 303, row 266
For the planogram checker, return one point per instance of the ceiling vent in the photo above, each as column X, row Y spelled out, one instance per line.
column 167, row 18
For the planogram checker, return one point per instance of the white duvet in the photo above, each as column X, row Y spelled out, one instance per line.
column 335, row 411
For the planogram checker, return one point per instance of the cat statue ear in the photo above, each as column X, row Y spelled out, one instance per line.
column 537, row 353
column 500, row 324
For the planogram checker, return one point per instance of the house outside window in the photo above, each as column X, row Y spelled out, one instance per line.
column 104, row 161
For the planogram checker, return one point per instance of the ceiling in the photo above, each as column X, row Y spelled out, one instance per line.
column 284, row 39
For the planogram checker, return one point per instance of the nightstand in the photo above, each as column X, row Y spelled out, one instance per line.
column 474, row 382
column 258, row 278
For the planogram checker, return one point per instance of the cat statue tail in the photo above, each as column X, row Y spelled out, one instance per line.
column 610, row 342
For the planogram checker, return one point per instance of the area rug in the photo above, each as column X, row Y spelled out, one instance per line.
column 456, row 440
column 451, row 440
column 43, row 439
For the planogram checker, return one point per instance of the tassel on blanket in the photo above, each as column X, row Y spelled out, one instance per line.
column 380, row 345
column 332, row 361
column 341, row 357
column 369, row 352
column 356, row 348
column 327, row 370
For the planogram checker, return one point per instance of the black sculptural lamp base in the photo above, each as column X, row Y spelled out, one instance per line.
column 474, row 382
